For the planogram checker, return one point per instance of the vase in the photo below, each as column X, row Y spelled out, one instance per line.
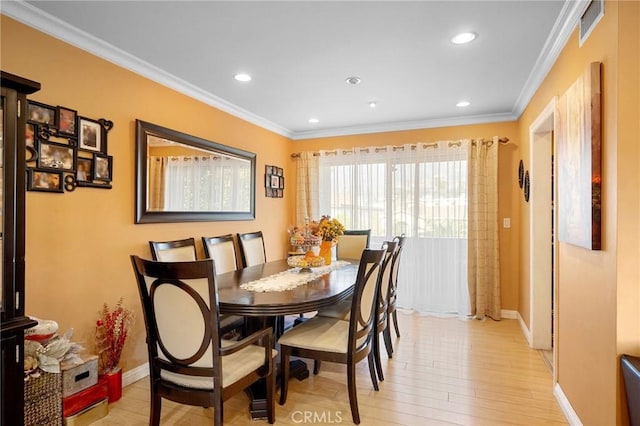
column 114, row 384
column 325, row 251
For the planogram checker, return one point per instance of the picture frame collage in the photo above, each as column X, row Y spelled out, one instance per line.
column 274, row 181
column 65, row 150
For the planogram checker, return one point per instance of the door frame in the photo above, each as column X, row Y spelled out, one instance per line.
column 541, row 264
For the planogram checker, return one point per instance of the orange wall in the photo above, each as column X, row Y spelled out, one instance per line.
column 590, row 323
column 78, row 243
column 509, row 192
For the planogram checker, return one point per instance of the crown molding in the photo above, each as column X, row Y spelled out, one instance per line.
column 48, row 24
column 404, row 125
column 42, row 21
column 560, row 33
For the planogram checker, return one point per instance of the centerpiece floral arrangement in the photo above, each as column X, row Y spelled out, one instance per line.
column 329, row 229
column 112, row 328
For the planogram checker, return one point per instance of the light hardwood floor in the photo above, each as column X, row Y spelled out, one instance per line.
column 445, row 371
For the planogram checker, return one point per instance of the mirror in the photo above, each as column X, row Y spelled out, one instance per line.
column 183, row 178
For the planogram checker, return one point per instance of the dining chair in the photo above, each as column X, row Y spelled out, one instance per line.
column 352, row 242
column 252, row 248
column 222, row 250
column 174, row 251
column 183, row 251
column 392, row 296
column 336, row 340
column 189, row 363
column 342, row 310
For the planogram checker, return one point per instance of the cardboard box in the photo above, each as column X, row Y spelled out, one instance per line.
column 89, row 415
column 78, row 377
column 77, row 402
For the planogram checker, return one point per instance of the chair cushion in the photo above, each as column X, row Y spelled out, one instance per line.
column 319, row 333
column 234, row 367
column 340, row 311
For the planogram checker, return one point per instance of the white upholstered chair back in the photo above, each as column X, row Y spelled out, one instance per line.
column 223, row 252
column 352, row 243
column 252, row 247
column 173, row 251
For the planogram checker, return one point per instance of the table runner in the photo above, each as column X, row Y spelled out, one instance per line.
column 290, row 279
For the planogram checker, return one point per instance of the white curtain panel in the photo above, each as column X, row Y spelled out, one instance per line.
column 417, row 190
column 192, row 183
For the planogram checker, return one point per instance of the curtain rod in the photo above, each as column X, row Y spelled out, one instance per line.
column 400, row 147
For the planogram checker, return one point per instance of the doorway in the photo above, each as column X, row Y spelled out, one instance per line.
column 543, row 240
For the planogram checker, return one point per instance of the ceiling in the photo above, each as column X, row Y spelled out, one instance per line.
column 299, row 54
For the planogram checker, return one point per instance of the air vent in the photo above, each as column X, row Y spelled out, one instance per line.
column 590, row 18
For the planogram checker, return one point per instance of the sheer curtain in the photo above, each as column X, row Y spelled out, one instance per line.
column 416, row 190
column 192, row 183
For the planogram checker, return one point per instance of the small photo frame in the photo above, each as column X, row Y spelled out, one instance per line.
column 41, row 113
column 278, row 171
column 102, row 167
column 30, row 135
column 269, row 170
column 91, row 137
column 281, row 185
column 84, row 169
column 67, row 120
column 275, row 181
column 44, row 180
column 56, row 156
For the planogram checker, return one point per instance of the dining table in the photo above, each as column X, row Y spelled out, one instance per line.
column 257, row 293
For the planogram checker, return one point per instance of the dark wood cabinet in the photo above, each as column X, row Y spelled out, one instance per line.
column 13, row 111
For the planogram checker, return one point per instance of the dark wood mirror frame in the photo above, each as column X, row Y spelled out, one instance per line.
column 144, row 215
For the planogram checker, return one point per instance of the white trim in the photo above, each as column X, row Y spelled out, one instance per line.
column 566, row 407
column 541, row 271
column 560, row 33
column 404, row 125
column 525, row 329
column 135, row 374
column 509, row 314
column 42, row 21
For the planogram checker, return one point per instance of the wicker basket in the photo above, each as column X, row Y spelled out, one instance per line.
column 43, row 400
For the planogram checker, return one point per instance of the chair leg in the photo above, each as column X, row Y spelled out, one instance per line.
column 271, row 390
column 395, row 323
column 376, row 356
column 316, row 366
column 218, row 414
column 284, row 379
column 372, row 370
column 386, row 334
column 156, row 406
column 353, row 397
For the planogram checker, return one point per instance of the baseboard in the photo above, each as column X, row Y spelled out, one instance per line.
column 525, row 330
column 135, row 374
column 508, row 314
column 566, row 407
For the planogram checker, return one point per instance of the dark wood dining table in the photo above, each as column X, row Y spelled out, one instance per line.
column 263, row 307
column 323, row 291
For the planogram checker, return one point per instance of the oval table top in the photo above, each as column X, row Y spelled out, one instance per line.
column 325, row 290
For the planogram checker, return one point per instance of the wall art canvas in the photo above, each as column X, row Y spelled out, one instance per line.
column 578, row 131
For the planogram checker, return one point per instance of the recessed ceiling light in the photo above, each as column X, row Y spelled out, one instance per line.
column 373, row 104
column 353, row 80
column 463, row 38
column 242, row 77
column 314, row 120
column 463, row 104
